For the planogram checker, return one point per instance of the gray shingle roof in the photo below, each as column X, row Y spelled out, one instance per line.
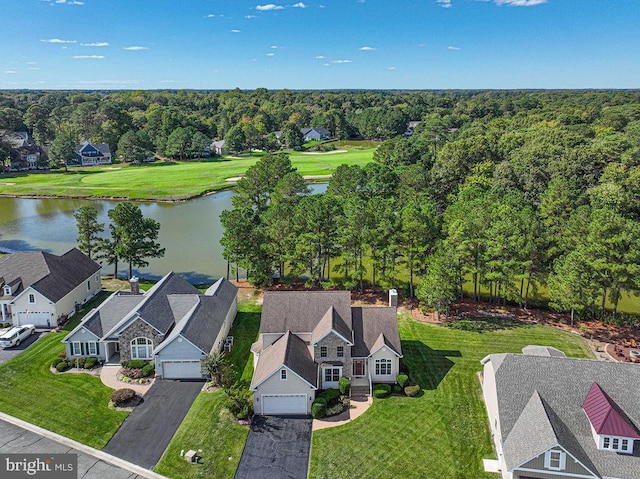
column 369, row 324
column 301, row 311
column 330, row 321
column 52, row 276
column 108, row 314
column 563, row 384
column 534, row 350
column 156, row 309
column 290, row 351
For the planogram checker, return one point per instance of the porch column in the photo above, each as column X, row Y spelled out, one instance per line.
column 4, row 313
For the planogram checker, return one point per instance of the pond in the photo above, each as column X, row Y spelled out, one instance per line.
column 190, row 232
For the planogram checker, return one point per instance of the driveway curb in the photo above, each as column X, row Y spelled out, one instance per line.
column 141, row 471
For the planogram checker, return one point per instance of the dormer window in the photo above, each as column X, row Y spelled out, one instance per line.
column 616, row 444
column 7, row 290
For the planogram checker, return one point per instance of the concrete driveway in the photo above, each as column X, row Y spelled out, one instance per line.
column 277, row 448
column 147, row 431
column 10, row 353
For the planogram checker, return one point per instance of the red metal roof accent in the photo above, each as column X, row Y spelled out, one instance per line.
column 606, row 417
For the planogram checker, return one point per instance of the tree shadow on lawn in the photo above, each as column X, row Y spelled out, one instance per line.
column 427, row 366
column 486, row 325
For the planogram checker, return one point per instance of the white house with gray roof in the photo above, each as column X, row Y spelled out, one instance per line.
column 41, row 288
column 171, row 323
column 309, row 339
column 553, row 417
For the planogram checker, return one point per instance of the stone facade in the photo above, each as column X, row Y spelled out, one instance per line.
column 137, row 329
column 332, row 341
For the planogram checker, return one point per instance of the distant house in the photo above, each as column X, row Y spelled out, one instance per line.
column 39, row 288
column 411, row 126
column 553, row 417
column 172, row 323
column 26, row 154
column 317, row 134
column 87, row 154
column 310, row 339
column 217, row 148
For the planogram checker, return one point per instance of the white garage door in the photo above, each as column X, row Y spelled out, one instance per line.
column 181, row 370
column 284, row 404
column 38, row 319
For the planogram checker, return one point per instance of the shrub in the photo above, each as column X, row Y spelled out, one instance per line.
column 397, row 389
column 90, row 363
column 136, row 364
column 345, row 401
column 147, row 370
column 56, row 362
column 344, row 385
column 333, row 410
column 62, row 366
column 240, row 401
column 412, row 391
column 402, row 380
column 330, row 395
column 320, row 399
column 78, row 362
column 318, row 409
column 62, row 355
column 381, row 390
column 122, row 396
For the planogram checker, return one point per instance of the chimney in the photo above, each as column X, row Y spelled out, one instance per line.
column 393, row 298
column 135, row 285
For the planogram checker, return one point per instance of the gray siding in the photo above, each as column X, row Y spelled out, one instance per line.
column 274, row 385
column 178, row 349
column 537, row 463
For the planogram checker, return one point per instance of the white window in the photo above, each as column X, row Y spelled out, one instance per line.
column 323, row 351
column 555, row 460
column 92, row 349
column 32, row 298
column 7, row 290
column 332, row 374
column 340, row 352
column 617, row 444
column 141, row 348
column 76, row 349
column 283, row 374
column 383, row 367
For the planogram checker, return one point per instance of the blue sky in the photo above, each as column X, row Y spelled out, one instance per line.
column 323, row 44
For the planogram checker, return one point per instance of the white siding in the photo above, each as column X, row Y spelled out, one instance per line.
column 384, row 353
column 274, row 385
column 226, row 326
column 21, row 305
column 490, row 394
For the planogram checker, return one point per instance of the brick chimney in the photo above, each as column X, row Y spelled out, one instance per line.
column 135, row 285
column 393, row 298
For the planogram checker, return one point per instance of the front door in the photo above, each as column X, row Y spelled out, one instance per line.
column 359, row 367
column 331, row 376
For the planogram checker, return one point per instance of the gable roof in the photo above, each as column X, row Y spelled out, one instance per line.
column 201, row 324
column 102, row 148
column 301, row 311
column 52, row 276
column 563, row 383
column 534, row 350
column 331, row 321
column 373, row 328
column 287, row 351
column 102, row 319
column 605, row 415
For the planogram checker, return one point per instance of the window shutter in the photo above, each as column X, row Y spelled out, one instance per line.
column 97, row 348
column 82, row 349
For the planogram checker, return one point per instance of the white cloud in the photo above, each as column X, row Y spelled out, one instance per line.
column 320, row 57
column 274, row 46
column 211, row 15
column 299, row 5
column 520, row 3
column 33, row 68
column 342, row 61
column 444, row 3
column 268, row 6
column 422, row 45
column 270, row 54
column 95, row 44
column 249, row 17
column 326, row 65
column 235, row 31
column 32, row 63
column 11, row 72
column 92, row 57
column 454, row 48
column 391, row 68
column 69, row 2
column 135, row 48
column 367, row 49
column 57, row 40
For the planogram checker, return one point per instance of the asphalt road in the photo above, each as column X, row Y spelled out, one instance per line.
column 277, row 448
column 147, row 431
column 16, row 440
column 10, row 353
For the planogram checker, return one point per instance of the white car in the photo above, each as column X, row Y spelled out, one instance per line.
column 16, row 335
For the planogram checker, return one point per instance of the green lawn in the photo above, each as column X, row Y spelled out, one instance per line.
column 163, row 180
column 208, row 425
column 444, row 432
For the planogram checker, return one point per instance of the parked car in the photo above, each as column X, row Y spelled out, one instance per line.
column 16, row 335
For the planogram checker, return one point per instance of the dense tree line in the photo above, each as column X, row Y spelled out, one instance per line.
column 503, row 192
